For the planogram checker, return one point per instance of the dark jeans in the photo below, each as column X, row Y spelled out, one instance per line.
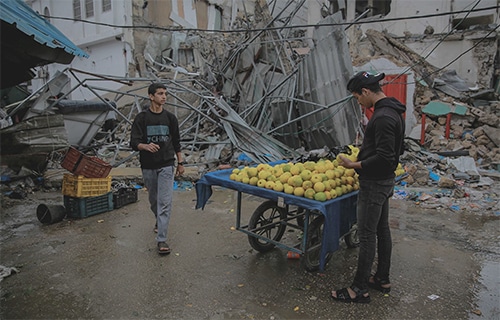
column 373, row 230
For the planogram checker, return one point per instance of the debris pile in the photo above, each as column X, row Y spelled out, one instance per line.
column 263, row 96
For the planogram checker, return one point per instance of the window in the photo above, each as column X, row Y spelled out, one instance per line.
column 106, row 5
column 77, row 9
column 377, row 7
column 89, row 8
column 463, row 24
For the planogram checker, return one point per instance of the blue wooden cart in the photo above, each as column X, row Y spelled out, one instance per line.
column 323, row 223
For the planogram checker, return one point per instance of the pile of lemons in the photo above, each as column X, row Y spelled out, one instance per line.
column 399, row 170
column 319, row 180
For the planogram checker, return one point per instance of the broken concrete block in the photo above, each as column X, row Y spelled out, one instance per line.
column 446, row 183
column 482, row 140
column 489, row 119
column 493, row 134
column 437, row 133
column 466, row 144
column 411, row 169
column 478, row 132
column 409, row 179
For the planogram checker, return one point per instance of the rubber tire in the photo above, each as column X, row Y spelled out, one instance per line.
column 351, row 239
column 310, row 258
column 259, row 219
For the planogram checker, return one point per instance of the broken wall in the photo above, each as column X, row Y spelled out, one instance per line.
column 440, row 39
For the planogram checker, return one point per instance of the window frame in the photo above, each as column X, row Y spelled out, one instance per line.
column 106, row 5
column 89, row 9
column 77, row 10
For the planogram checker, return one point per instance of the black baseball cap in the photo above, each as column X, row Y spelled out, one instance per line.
column 363, row 78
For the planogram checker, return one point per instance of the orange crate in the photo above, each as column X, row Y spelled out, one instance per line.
column 81, row 187
column 82, row 165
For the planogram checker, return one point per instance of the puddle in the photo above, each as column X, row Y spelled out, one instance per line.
column 488, row 294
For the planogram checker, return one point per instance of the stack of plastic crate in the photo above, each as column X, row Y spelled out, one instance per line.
column 87, row 190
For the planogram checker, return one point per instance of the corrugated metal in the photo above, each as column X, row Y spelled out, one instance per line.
column 323, row 75
column 17, row 13
column 395, row 88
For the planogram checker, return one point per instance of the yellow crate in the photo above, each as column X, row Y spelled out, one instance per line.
column 79, row 186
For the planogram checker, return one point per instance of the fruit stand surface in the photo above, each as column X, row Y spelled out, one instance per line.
column 340, row 212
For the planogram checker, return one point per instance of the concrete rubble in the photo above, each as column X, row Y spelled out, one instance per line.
column 249, row 102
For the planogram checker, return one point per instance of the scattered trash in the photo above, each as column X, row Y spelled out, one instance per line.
column 434, row 176
column 7, row 271
column 477, row 312
column 183, row 185
column 433, row 297
column 49, row 214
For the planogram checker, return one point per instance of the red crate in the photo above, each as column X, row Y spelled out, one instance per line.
column 82, row 165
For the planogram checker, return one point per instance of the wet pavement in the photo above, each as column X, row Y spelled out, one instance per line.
column 446, row 265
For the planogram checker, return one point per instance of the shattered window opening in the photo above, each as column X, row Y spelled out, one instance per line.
column 378, row 7
column 464, row 24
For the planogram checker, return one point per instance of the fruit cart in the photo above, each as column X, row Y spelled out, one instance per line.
column 323, row 223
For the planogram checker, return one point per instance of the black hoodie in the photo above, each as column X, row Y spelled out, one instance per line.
column 383, row 141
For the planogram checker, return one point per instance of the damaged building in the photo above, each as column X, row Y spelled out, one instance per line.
column 266, row 80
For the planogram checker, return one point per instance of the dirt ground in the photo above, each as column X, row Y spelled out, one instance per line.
column 446, row 265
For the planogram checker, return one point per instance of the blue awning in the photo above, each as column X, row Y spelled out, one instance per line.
column 17, row 13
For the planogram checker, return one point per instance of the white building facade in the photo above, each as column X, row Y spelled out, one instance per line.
column 117, row 49
column 109, row 46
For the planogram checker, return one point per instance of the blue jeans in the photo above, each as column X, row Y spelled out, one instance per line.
column 160, row 185
column 373, row 230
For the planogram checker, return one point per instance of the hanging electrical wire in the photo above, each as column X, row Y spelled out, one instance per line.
column 301, row 26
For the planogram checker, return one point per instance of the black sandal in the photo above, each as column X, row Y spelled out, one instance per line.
column 378, row 283
column 163, row 248
column 343, row 296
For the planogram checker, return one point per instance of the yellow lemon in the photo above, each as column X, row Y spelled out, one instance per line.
column 299, row 191
column 309, row 193
column 319, row 187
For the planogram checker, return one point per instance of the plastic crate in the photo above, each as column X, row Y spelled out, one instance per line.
column 86, row 207
column 82, row 165
column 124, row 196
column 79, row 186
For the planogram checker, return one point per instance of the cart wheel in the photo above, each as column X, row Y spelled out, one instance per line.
column 268, row 213
column 312, row 253
column 351, row 239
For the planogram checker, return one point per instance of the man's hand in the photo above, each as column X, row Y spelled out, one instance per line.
column 347, row 163
column 344, row 162
column 151, row 147
column 180, row 170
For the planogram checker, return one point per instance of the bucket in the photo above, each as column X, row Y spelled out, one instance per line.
column 48, row 214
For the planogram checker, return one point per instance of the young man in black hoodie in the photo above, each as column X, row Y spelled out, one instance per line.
column 377, row 159
column 155, row 134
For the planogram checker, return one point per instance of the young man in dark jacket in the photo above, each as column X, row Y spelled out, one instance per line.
column 377, row 160
column 155, row 134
